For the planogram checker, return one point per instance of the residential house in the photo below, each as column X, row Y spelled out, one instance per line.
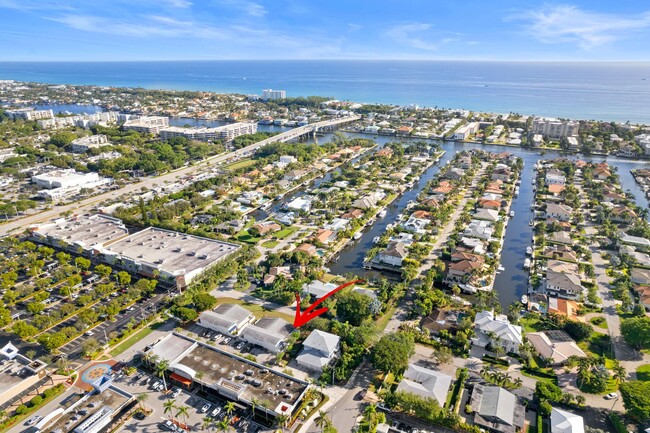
column 230, row 227
column 337, row 224
column 487, row 215
column 294, row 175
column 269, row 333
column 501, row 173
column 560, row 212
column 276, row 271
column 302, row 203
column 554, row 177
column 490, row 329
column 554, row 346
column 416, row 225
column 489, row 204
column 426, row 383
column 555, row 189
column 566, row 422
column 393, row 254
column 496, row 410
column 561, row 252
column 319, row 349
column 480, row 229
column 623, row 214
column 227, row 319
column 439, row 320
column 317, row 289
column 454, row 174
column 564, row 307
column 324, row 236
column 563, row 285
column 266, row 227
column 560, row 238
column 638, row 242
column 307, row 248
column 352, row 214
column 640, row 276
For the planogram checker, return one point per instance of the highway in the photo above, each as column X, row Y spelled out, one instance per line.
column 85, row 205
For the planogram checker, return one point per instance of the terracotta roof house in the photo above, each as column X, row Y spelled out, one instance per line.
column 555, row 189
column 352, row 214
column 324, row 236
column 564, row 307
column 421, row 214
column 307, row 248
column 489, row 204
column 385, row 152
column 265, row 227
column 561, row 252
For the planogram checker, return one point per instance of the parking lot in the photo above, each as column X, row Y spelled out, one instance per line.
column 195, row 400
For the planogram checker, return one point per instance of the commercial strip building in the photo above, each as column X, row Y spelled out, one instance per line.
column 228, row 375
column 63, row 183
column 173, row 257
column 17, row 374
column 223, row 133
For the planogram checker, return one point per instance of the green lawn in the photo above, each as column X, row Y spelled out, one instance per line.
column 241, row 164
column 531, row 323
column 244, row 236
column 133, row 339
column 643, row 372
column 285, row 232
column 599, row 321
column 270, row 244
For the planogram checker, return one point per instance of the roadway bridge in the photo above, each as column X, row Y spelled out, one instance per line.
column 86, row 205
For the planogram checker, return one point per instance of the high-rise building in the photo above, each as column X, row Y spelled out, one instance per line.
column 271, row 95
column 555, row 128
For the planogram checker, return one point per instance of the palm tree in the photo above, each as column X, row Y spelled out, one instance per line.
column 223, row 425
column 282, row 421
column 619, row 371
column 323, row 421
column 161, row 368
column 229, row 407
column 182, row 411
column 254, row 403
column 141, row 398
column 518, row 383
column 169, row 406
column 206, row 422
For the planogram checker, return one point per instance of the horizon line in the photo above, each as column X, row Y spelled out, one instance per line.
column 329, row 60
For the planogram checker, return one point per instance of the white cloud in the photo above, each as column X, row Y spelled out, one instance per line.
column 413, row 34
column 570, row 24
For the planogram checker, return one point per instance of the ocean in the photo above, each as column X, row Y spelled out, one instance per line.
column 601, row 91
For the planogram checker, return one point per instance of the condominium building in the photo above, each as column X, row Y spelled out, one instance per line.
column 147, row 124
column 465, row 131
column 29, row 114
column 271, row 95
column 224, row 133
column 82, row 120
column 555, row 128
column 83, row 144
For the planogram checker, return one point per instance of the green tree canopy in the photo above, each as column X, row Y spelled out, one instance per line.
column 392, row 352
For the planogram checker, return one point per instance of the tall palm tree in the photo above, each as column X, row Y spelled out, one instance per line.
column 182, row 411
column 518, row 383
column 619, row 371
column 323, row 421
column 141, row 398
column 223, row 425
column 254, row 404
column 161, row 369
column 170, row 406
column 282, row 421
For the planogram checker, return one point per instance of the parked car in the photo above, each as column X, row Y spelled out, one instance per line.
column 168, row 425
column 175, row 392
column 226, row 340
column 206, row 407
column 240, row 345
column 33, row 420
column 89, row 333
column 215, row 412
column 611, row 396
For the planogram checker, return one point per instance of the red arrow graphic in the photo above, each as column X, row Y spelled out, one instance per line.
column 305, row 316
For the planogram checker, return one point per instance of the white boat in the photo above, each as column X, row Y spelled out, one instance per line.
column 501, row 268
column 512, row 213
column 531, row 222
column 357, row 236
column 529, row 251
column 527, row 263
column 382, row 213
column 376, row 239
column 524, row 299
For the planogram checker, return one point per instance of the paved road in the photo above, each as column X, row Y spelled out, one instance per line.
column 149, row 183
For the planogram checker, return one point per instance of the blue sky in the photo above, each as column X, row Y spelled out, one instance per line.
column 332, row 29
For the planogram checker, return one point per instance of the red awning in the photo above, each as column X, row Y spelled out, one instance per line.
column 178, row 378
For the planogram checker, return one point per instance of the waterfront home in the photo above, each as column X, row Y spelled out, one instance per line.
column 324, row 236
column 490, row 329
column 384, row 152
column 425, row 383
column 370, row 293
column 286, row 218
column 563, row 285
column 319, row 349
column 276, row 271
column 430, row 202
column 560, row 238
column 640, row 276
column 295, row 175
column 337, row 224
column 306, row 248
column 393, row 254
column 623, row 214
column 227, row 319
column 564, row 307
column 462, row 267
column 268, row 333
column 480, row 229
column 554, row 177
column 555, row 189
column 301, row 203
column 502, row 173
column 486, row 215
column 562, row 421
column 415, row 225
column 560, row 212
column 454, row 174
column 403, row 237
column 465, row 162
column 421, row 214
column 561, row 252
column 476, row 246
column 601, row 172
column 266, row 227
column 352, row 214
column 496, row 410
column 561, row 266
column 485, row 203
column 555, row 346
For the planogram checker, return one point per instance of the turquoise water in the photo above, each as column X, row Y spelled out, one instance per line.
column 603, row 91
